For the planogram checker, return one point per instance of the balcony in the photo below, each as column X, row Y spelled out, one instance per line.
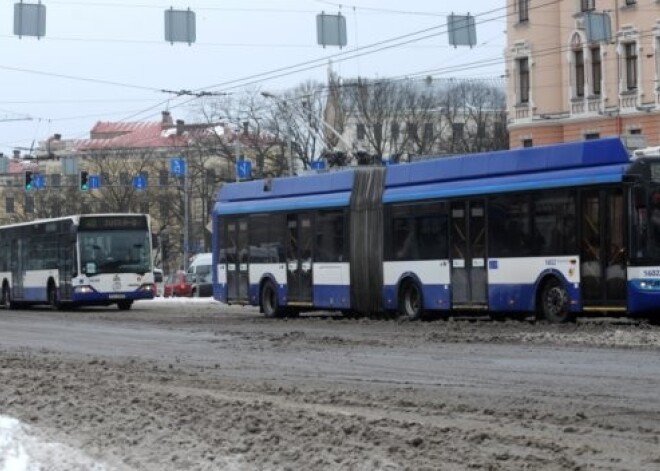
column 628, row 100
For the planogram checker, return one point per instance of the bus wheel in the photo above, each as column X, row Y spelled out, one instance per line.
column 52, row 297
column 124, row 305
column 6, row 297
column 553, row 303
column 270, row 302
column 411, row 304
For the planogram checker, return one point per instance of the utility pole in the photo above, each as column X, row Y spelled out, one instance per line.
column 186, row 216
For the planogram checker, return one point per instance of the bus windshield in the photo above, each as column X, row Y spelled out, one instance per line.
column 647, row 224
column 114, row 251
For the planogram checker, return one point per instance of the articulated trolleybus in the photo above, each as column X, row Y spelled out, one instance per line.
column 77, row 260
column 557, row 231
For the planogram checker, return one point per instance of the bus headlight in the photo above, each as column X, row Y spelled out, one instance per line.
column 83, row 289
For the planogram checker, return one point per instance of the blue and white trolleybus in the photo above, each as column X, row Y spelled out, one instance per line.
column 557, row 231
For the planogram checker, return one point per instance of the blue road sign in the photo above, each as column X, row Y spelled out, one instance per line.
column 318, row 165
column 94, row 182
column 178, row 167
column 139, row 182
column 39, row 181
column 244, row 169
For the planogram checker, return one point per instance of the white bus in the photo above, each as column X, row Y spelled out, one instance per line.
column 92, row 259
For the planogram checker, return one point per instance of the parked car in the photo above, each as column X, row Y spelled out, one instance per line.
column 177, row 284
column 159, row 285
column 199, row 274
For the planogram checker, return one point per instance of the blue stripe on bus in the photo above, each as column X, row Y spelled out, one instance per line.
column 610, row 174
column 302, row 202
column 332, row 296
column 435, row 297
column 522, row 297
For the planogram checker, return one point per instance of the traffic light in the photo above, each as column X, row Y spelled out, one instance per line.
column 84, row 184
column 28, row 180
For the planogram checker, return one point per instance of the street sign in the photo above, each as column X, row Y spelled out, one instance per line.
column 178, row 167
column 139, row 182
column 39, row 181
column 94, row 182
column 318, row 165
column 244, row 169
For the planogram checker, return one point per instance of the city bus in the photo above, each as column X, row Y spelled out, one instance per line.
column 91, row 259
column 556, row 231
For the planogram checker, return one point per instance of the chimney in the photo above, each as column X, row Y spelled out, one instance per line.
column 17, row 154
column 246, row 129
column 167, row 119
column 57, row 137
column 179, row 127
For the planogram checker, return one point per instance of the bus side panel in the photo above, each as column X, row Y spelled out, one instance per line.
column 332, row 285
column 220, row 288
column 643, row 289
column 513, row 282
column 35, row 284
column 433, row 276
column 257, row 272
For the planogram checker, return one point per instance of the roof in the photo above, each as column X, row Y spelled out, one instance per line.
column 136, row 135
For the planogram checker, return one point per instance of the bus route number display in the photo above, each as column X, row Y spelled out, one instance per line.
column 122, row 222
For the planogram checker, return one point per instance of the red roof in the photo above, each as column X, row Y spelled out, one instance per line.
column 140, row 135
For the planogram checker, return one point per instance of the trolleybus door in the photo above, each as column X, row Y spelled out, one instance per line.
column 237, row 260
column 18, row 269
column 468, row 254
column 299, row 258
column 602, row 249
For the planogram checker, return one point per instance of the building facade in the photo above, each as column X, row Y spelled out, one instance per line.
column 565, row 85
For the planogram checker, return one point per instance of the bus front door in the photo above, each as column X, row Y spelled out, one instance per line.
column 299, row 258
column 468, row 255
column 602, row 250
column 237, row 260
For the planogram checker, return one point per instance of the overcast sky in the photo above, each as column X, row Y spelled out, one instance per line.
column 107, row 60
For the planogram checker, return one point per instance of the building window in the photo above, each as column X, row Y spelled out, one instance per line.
column 163, row 177
column 124, row 179
column 394, row 131
column 411, row 128
column 596, row 74
column 164, row 209
column 56, row 180
column 630, row 54
column 29, row 204
column 144, row 207
column 361, row 132
column 523, row 74
column 378, row 132
column 635, row 131
column 527, row 143
column 9, row 205
column 579, row 73
column 523, row 10
column 630, row 3
column 481, row 130
column 591, row 135
column 428, row 131
column 587, row 5
column 457, row 131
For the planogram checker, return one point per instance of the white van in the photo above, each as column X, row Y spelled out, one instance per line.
column 199, row 274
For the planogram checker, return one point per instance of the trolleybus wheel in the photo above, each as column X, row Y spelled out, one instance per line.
column 124, row 305
column 52, row 296
column 554, row 303
column 411, row 305
column 6, row 297
column 270, row 302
